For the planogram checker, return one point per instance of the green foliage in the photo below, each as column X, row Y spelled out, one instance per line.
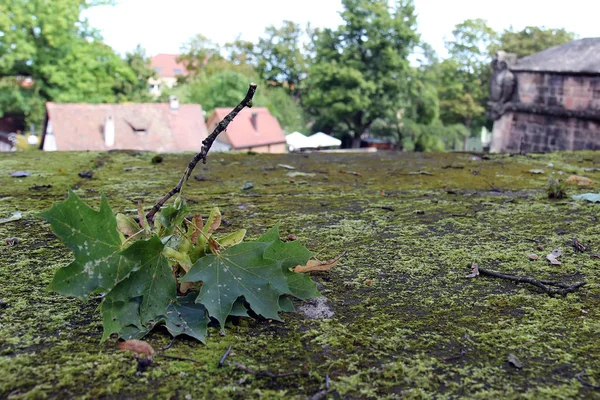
column 177, row 273
column 531, row 39
column 556, row 188
column 65, row 60
column 463, row 79
column 360, row 69
column 281, row 56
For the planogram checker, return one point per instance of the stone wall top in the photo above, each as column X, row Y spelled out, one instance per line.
column 577, row 57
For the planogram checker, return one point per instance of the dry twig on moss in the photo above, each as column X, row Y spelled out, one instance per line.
column 267, row 373
column 579, row 377
column 546, row 286
column 206, row 145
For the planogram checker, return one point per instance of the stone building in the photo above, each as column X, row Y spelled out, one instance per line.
column 547, row 101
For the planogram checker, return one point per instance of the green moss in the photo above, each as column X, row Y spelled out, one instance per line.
column 404, row 313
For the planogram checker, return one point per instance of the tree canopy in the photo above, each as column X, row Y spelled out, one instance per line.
column 49, row 53
column 360, row 69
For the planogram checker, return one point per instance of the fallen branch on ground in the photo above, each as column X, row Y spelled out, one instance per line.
column 206, row 145
column 579, row 377
column 267, row 373
column 546, row 286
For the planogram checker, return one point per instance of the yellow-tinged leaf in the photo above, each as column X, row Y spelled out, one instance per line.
column 137, row 346
column 232, row 238
column 142, row 217
column 127, row 225
column 316, row 265
column 213, row 222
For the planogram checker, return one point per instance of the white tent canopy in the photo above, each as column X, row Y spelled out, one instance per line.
column 296, row 140
column 321, row 139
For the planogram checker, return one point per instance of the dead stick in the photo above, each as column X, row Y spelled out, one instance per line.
column 267, row 373
column 532, row 281
column 206, row 145
column 178, row 358
column 579, row 377
column 222, row 360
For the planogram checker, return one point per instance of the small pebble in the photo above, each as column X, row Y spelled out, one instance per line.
column 248, row 186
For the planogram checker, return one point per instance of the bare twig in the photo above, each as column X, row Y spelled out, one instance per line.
column 267, row 373
column 455, row 357
column 178, row 358
column 544, row 285
column 222, row 360
column 322, row 393
column 579, row 377
column 206, row 145
column 168, row 345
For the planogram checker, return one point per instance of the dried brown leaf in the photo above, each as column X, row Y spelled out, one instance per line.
column 214, row 220
column 580, row 180
column 196, row 227
column 474, row 271
column 316, row 265
column 534, row 257
column 137, row 346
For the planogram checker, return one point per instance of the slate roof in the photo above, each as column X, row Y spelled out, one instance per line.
column 148, row 127
column 241, row 134
column 166, row 66
column 579, row 56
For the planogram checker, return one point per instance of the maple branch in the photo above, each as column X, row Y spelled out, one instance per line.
column 206, row 145
column 544, row 285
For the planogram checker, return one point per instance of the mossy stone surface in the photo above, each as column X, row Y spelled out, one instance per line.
column 406, row 322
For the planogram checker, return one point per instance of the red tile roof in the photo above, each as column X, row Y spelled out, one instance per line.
column 241, row 133
column 166, row 66
column 81, row 126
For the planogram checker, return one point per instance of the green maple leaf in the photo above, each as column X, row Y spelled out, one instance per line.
column 241, row 270
column 96, row 244
column 288, row 255
column 142, row 298
column 186, row 317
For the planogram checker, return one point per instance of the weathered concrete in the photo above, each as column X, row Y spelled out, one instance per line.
column 405, row 323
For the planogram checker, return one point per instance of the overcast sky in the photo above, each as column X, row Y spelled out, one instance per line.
column 162, row 26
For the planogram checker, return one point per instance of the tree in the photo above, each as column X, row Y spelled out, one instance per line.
column 240, row 52
column 136, row 89
column 225, row 88
column 360, row 70
column 49, row 53
column 197, row 52
column 532, row 39
column 281, row 57
column 464, row 77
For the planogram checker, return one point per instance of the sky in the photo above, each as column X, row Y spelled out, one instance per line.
column 163, row 26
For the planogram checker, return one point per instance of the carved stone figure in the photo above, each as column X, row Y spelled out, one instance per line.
column 503, row 82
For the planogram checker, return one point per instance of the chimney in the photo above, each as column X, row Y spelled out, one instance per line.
column 253, row 119
column 173, row 103
column 109, row 131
